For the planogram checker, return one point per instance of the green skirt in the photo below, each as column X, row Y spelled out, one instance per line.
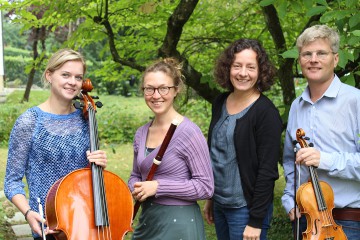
column 163, row 222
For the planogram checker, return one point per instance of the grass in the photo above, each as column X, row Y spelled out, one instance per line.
column 120, row 158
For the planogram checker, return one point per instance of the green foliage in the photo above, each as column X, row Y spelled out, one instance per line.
column 9, row 114
column 198, row 111
column 15, row 68
column 11, row 110
column 118, row 119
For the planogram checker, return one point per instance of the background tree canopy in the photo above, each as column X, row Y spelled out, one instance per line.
column 121, row 37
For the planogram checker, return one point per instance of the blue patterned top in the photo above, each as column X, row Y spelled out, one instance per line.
column 44, row 147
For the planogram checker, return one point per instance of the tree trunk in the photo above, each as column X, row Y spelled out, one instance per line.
column 32, row 72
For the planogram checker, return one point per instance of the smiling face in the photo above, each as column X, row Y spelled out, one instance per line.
column 159, row 104
column 316, row 70
column 244, row 71
column 66, row 82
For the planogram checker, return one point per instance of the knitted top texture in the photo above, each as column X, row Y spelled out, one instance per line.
column 44, row 147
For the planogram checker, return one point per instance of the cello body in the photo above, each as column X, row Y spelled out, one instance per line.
column 70, row 208
column 89, row 203
column 316, row 201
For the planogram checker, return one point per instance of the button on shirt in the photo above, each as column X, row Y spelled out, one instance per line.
column 228, row 190
column 333, row 125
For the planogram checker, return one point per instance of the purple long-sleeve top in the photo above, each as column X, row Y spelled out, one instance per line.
column 185, row 173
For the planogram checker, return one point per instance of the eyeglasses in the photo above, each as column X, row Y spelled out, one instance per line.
column 322, row 55
column 149, row 91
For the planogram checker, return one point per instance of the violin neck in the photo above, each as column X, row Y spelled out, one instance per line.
column 317, row 189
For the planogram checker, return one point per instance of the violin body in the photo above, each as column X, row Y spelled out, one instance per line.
column 317, row 228
column 316, row 201
column 70, row 208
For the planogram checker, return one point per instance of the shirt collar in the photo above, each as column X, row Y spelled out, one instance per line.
column 331, row 92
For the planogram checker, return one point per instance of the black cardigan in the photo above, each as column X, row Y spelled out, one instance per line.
column 257, row 138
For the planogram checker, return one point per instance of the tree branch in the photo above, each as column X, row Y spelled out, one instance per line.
column 175, row 26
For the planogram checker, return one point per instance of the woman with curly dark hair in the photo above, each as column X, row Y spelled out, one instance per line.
column 244, row 141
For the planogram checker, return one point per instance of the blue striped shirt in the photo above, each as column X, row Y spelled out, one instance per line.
column 333, row 125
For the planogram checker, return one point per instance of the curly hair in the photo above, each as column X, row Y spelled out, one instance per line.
column 266, row 69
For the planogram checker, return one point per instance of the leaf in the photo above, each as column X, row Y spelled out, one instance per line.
column 282, row 10
column 315, row 11
column 308, row 4
column 348, row 79
column 354, row 20
column 322, row 2
column 292, row 53
column 342, row 59
column 265, row 3
column 328, row 16
column 354, row 40
column 356, row 33
column 351, row 3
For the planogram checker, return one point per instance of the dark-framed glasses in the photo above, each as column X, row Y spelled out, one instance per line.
column 322, row 55
column 149, row 91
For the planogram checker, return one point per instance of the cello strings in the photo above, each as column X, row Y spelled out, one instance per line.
column 105, row 228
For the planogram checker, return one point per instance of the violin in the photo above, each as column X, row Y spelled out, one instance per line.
column 89, row 203
column 316, row 201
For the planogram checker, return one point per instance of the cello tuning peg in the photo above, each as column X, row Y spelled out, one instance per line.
column 78, row 105
column 99, row 104
column 311, row 144
column 95, row 97
column 307, row 138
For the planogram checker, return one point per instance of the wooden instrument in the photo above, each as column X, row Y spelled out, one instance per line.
column 316, row 200
column 158, row 158
column 89, row 203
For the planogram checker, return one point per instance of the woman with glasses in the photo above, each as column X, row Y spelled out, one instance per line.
column 244, row 141
column 169, row 207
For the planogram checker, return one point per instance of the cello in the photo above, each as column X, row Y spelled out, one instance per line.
column 89, row 203
column 316, row 200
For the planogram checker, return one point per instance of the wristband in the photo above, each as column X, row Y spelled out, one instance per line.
column 27, row 213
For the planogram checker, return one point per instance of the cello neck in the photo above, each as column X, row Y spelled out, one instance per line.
column 98, row 185
column 93, row 129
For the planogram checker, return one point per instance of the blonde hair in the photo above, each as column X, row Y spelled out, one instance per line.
column 319, row 31
column 170, row 66
column 58, row 59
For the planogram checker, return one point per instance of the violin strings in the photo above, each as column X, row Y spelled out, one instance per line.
column 322, row 206
column 298, row 167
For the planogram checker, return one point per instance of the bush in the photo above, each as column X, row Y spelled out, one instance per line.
column 117, row 121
